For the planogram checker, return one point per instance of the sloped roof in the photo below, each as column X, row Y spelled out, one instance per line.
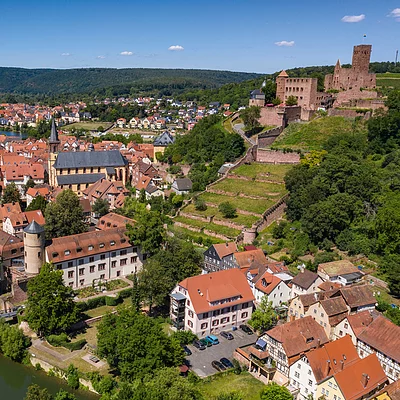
column 299, row 336
column 183, row 184
column 334, row 306
column 361, row 320
column 330, row 358
column 75, row 179
column 34, row 228
column 327, row 285
column 267, row 283
column 219, row 285
column 283, row 73
column 164, row 139
column 305, row 278
column 335, row 268
column 35, row 215
column 113, row 220
column 384, row 336
column 79, row 159
column 358, row 295
column 224, row 249
column 392, row 390
column 246, row 258
column 350, row 380
column 311, row 298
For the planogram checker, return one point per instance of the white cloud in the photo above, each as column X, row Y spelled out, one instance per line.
column 65, row 54
column 285, row 43
column 126, row 53
column 176, row 48
column 101, row 57
column 353, row 18
column 395, row 14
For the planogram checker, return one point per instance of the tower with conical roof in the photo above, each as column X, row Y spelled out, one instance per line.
column 54, row 143
column 281, row 85
column 34, row 247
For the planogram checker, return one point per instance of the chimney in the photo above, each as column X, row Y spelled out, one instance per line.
column 226, row 244
column 341, row 365
column 364, row 380
column 328, row 367
column 318, row 343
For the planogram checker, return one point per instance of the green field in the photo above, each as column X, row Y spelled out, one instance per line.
column 223, row 230
column 184, row 233
column 241, row 203
column 388, row 80
column 312, row 135
column 270, row 172
column 86, row 125
column 248, row 386
column 251, row 188
column 246, row 220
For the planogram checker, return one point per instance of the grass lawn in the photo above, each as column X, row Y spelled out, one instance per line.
column 227, row 125
column 246, row 220
column 223, row 230
column 248, row 386
column 96, row 312
column 263, row 171
column 251, row 188
column 312, row 135
column 86, row 125
column 252, row 205
column 188, row 234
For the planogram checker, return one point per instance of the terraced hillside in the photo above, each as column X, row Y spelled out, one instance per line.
column 251, row 189
column 388, row 80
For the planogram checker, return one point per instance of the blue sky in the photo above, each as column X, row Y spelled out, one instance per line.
column 238, row 35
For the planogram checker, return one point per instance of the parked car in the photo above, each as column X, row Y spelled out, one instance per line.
column 218, row 366
column 199, row 345
column 187, row 350
column 226, row 363
column 212, row 339
column 227, row 335
column 246, row 329
column 206, row 342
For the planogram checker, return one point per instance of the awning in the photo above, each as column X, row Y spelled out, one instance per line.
column 262, row 343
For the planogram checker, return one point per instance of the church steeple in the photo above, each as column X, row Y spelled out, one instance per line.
column 54, row 143
column 53, row 134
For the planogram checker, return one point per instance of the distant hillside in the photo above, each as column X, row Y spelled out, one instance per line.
column 113, row 82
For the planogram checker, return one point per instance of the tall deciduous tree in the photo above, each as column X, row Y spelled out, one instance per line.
column 136, row 295
column 64, row 216
column 38, row 203
column 275, row 392
column 11, row 194
column 36, row 393
column 101, row 207
column 264, row 317
column 250, row 117
column 50, row 307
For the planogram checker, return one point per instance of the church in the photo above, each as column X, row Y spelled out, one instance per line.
column 79, row 169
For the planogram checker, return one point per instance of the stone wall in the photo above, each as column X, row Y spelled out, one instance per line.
column 354, row 94
column 277, row 157
column 266, row 138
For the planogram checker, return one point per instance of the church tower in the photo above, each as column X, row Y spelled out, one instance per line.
column 34, row 247
column 54, row 143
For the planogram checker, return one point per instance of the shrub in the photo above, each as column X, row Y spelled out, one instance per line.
column 72, row 377
column 227, row 210
column 112, row 301
column 72, row 346
column 58, row 340
column 200, row 205
column 96, row 302
column 123, row 294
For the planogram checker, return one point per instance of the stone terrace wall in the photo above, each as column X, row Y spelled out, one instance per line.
column 266, row 138
column 277, row 157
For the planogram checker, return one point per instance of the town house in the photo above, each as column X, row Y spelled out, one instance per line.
column 305, row 282
column 219, row 257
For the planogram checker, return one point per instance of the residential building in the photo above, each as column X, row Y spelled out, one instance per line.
column 288, row 342
column 96, row 256
column 11, row 253
column 112, row 220
column 341, row 271
column 161, row 142
column 361, row 380
column 389, row 392
column 34, row 192
column 219, row 257
column 252, row 258
column 311, row 369
column 213, row 302
column 358, row 297
column 182, row 186
column 21, row 173
column 14, row 223
column 298, row 307
column 305, row 282
column 382, row 337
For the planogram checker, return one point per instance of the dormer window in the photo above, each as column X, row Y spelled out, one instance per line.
column 78, row 249
column 112, row 243
column 54, row 254
column 90, row 247
column 123, row 240
column 67, row 252
column 101, row 245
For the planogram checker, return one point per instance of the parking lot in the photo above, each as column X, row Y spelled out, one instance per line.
column 200, row 360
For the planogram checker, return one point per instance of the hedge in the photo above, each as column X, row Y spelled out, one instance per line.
column 62, row 340
column 113, row 301
column 104, row 300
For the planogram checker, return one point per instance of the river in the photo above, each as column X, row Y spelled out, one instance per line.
column 14, row 134
column 15, row 379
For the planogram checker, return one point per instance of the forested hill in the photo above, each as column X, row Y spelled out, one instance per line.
column 113, row 82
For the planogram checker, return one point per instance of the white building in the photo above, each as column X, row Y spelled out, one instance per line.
column 211, row 303
column 305, row 282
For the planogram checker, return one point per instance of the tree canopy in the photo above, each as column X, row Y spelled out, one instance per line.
column 50, row 307
column 64, row 216
column 101, row 207
column 11, row 194
column 38, row 203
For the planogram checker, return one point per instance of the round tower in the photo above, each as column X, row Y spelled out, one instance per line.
column 34, row 247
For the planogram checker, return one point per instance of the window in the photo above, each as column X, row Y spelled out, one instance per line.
column 190, row 324
column 118, row 273
column 330, row 384
column 244, row 315
column 71, row 284
column 309, row 382
column 102, row 276
column 101, row 245
column 70, row 274
column 13, row 251
column 346, row 325
column 340, row 333
column 334, row 397
column 114, row 254
column 112, row 243
column 297, row 375
column 204, row 325
column 309, row 372
column 91, row 268
column 215, row 322
column 91, row 259
column 334, row 386
column 188, row 302
column 327, row 392
column 322, row 315
column 81, row 271
column 59, row 266
column 315, row 310
column 323, row 391
column 81, row 261
column 81, row 282
column 122, row 252
column 102, row 256
column 123, row 261
column 224, row 320
column 133, row 259
column 298, row 366
column 102, row 267
column 190, row 313
column 113, row 264
column 39, row 254
column 70, row 264
column 205, row 315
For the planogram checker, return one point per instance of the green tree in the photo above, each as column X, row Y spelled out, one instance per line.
column 250, row 117
column 13, row 343
column 148, row 231
column 135, row 345
column 275, row 392
column 229, row 396
column 291, row 101
column 269, row 89
column 264, row 317
column 227, row 210
column 50, row 307
column 11, row 194
column 64, row 216
column 101, row 207
column 38, row 203
column 136, row 295
column 36, row 393
column 72, row 377
column 64, row 395
column 200, row 204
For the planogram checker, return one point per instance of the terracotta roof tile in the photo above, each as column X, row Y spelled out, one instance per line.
column 305, row 278
column 246, row 258
column 358, row 295
column 224, row 249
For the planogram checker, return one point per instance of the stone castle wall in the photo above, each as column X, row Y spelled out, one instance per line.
column 277, row 157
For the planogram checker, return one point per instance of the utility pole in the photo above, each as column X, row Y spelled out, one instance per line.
column 397, row 54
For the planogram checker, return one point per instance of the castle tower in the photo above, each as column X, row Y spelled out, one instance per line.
column 361, row 58
column 281, row 85
column 54, row 143
column 34, row 247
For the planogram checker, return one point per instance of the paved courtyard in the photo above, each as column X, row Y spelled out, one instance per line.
column 200, row 360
